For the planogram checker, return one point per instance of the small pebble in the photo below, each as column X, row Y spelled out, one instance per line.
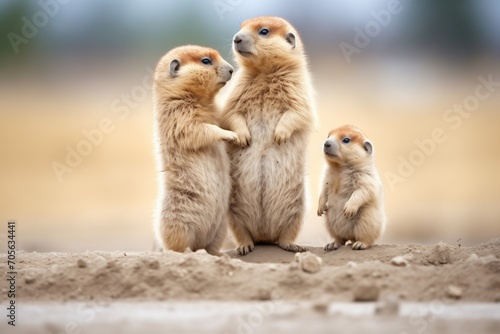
column 399, row 261
column 293, row 266
column 473, row 258
column 29, row 279
column 154, row 264
column 454, row 292
column 98, row 262
column 273, row 267
column 321, row 306
column 351, row 264
column 366, row 292
column 309, row 262
column 264, row 295
column 81, row 263
column 440, row 254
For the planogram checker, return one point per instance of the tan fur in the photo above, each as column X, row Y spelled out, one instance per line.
column 271, row 109
column 194, row 181
column 352, row 194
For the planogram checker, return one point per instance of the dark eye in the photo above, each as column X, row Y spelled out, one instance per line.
column 206, row 61
column 346, row 140
column 264, row 32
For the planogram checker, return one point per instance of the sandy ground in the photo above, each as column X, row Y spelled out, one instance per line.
column 458, row 288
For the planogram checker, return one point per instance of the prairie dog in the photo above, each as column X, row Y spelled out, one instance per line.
column 194, row 180
column 352, row 194
column 272, row 111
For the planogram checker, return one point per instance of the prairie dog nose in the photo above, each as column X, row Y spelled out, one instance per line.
column 331, row 147
column 237, row 39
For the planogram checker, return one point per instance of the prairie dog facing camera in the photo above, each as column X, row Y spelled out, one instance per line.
column 271, row 109
column 352, row 194
column 194, row 180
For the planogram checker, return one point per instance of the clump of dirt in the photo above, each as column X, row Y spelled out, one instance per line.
column 308, row 262
column 366, row 292
column 440, row 254
column 269, row 273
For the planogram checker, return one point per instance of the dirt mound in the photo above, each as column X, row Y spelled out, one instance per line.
column 269, row 273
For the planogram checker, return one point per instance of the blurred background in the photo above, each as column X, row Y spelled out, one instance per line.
column 77, row 168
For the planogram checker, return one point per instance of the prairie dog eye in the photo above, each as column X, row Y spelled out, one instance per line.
column 346, row 140
column 206, row 61
column 264, row 32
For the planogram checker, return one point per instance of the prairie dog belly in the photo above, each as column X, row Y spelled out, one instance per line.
column 268, row 178
column 337, row 224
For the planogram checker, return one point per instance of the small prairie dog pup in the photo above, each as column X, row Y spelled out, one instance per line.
column 194, row 180
column 352, row 194
column 272, row 111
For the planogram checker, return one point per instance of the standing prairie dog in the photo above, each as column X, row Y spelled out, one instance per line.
column 352, row 194
column 194, row 182
column 272, row 111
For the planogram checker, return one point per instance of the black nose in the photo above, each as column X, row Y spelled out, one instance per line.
column 237, row 39
column 231, row 71
column 327, row 144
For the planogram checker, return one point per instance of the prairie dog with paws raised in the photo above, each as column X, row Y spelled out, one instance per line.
column 271, row 108
column 194, row 181
column 352, row 193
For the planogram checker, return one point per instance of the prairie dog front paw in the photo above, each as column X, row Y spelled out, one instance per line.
column 322, row 209
column 350, row 210
column 230, row 136
column 281, row 135
column 322, row 203
column 243, row 137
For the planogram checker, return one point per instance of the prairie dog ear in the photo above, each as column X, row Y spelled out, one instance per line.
column 174, row 67
column 368, row 147
column 290, row 38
